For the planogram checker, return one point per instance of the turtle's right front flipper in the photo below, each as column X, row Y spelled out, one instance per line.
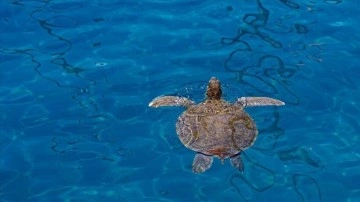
column 162, row 101
column 258, row 101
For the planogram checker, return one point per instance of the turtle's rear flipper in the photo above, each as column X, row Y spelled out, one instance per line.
column 201, row 163
column 163, row 101
column 237, row 162
column 258, row 101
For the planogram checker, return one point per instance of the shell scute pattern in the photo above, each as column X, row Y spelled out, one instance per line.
column 216, row 128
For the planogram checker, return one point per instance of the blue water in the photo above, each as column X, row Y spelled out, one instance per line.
column 77, row 76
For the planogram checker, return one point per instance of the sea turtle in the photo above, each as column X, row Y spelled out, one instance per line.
column 215, row 128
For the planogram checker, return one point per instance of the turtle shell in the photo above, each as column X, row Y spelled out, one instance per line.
column 216, row 128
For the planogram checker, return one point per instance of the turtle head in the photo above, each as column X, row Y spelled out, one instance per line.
column 213, row 91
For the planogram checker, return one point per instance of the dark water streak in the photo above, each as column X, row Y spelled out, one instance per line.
column 52, row 17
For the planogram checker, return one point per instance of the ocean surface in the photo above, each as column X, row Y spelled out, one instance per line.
column 77, row 77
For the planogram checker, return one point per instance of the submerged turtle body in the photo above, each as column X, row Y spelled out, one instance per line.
column 215, row 128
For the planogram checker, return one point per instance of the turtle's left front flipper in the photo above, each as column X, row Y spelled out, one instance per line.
column 162, row 101
column 258, row 101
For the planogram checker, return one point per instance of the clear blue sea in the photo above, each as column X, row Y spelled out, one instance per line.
column 77, row 77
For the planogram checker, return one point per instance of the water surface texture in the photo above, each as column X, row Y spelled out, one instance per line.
column 77, row 76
